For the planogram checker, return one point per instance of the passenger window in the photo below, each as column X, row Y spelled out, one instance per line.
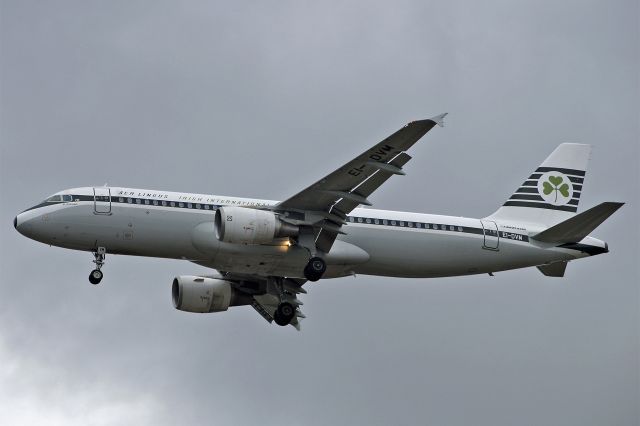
column 146, row 202
column 164, row 203
column 138, row 201
column 410, row 224
column 129, row 200
column 181, row 204
column 189, row 205
column 359, row 220
column 459, row 228
column 155, row 202
column 451, row 228
column 121, row 200
column 393, row 223
column 198, row 206
column 384, row 221
column 402, row 223
column 368, row 220
column 206, row 206
column 173, row 204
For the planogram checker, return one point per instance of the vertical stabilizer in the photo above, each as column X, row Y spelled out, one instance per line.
column 551, row 194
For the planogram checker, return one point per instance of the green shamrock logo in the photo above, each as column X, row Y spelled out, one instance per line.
column 554, row 183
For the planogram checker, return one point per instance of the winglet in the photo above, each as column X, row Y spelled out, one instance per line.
column 439, row 119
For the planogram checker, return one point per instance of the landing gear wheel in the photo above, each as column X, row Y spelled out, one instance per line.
column 95, row 276
column 284, row 313
column 314, row 269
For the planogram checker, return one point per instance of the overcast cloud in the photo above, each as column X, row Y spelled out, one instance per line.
column 259, row 99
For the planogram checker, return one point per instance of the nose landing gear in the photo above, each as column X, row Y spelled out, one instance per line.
column 96, row 275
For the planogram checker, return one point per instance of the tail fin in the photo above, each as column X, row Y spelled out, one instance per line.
column 551, row 194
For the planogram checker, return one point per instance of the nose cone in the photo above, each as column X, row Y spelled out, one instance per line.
column 19, row 224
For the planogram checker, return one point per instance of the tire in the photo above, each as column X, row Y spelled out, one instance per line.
column 95, row 276
column 284, row 313
column 314, row 269
column 317, row 265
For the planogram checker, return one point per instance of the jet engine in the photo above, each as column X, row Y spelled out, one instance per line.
column 243, row 225
column 200, row 294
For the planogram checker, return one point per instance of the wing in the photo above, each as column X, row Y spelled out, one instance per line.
column 266, row 293
column 338, row 193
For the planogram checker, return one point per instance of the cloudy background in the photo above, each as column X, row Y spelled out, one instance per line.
column 260, row 99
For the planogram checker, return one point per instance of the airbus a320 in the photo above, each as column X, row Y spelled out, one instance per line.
column 262, row 252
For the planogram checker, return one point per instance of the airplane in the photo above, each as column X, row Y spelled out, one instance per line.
column 264, row 251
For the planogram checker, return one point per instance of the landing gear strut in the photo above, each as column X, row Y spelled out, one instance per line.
column 286, row 310
column 96, row 275
column 314, row 269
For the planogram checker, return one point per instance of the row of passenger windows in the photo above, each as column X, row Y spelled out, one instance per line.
column 403, row 223
column 351, row 219
column 167, row 203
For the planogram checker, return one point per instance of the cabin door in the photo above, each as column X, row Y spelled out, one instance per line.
column 102, row 200
column 491, row 236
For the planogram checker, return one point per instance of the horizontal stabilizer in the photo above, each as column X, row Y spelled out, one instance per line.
column 554, row 269
column 576, row 228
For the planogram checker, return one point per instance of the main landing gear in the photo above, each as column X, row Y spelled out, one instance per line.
column 314, row 269
column 286, row 310
column 284, row 313
column 96, row 275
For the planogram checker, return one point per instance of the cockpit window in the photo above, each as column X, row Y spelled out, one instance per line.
column 59, row 198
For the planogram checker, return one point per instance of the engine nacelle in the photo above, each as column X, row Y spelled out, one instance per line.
column 199, row 294
column 243, row 225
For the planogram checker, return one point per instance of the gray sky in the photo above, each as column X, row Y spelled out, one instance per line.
column 259, row 99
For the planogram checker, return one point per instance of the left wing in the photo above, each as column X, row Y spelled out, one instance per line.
column 337, row 194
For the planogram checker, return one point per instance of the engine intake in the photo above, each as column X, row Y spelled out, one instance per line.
column 241, row 225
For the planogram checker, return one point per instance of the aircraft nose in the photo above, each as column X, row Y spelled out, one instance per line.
column 18, row 223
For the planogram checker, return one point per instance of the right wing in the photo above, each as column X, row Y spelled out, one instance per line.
column 267, row 293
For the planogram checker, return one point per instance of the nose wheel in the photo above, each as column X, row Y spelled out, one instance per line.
column 314, row 269
column 96, row 275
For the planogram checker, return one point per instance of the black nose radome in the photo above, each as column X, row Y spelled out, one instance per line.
column 15, row 222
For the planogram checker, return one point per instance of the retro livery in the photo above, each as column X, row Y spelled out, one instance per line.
column 265, row 251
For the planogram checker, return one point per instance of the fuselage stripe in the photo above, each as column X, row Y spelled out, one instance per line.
column 355, row 220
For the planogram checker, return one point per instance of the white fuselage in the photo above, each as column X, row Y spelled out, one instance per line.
column 377, row 242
